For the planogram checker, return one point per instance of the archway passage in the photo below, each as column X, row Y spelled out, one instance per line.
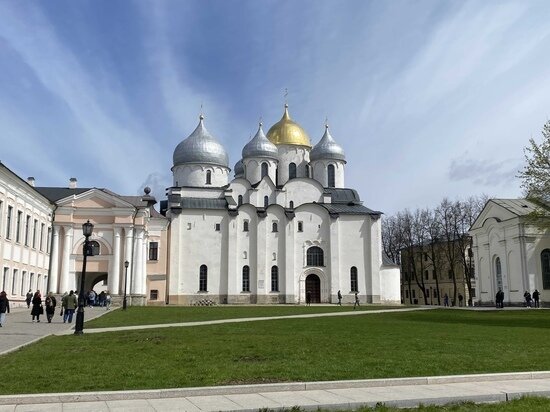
column 313, row 286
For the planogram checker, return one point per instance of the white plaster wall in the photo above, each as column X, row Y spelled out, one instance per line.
column 292, row 154
column 390, row 291
column 302, row 191
column 195, row 175
column 320, row 172
column 253, row 169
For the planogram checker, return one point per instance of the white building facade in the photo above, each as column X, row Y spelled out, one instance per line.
column 510, row 253
column 284, row 228
column 25, row 229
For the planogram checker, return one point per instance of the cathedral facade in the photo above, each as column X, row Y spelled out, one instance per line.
column 283, row 229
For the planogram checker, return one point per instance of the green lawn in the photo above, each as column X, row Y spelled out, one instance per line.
column 153, row 315
column 436, row 342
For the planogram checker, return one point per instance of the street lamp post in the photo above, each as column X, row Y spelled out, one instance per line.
column 126, row 264
column 87, row 229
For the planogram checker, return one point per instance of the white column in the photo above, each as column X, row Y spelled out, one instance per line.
column 65, row 282
column 114, row 276
column 143, row 289
column 137, row 275
column 54, row 259
column 129, row 237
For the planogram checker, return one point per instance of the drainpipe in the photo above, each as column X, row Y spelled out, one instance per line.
column 50, row 253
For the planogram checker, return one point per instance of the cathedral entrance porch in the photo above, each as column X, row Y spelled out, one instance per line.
column 313, row 288
column 316, row 282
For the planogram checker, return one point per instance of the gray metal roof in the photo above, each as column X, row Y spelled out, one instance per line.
column 342, row 195
column 200, row 147
column 343, row 209
column 386, row 261
column 260, row 146
column 201, row 203
column 520, row 207
column 53, row 194
column 327, row 148
column 239, row 169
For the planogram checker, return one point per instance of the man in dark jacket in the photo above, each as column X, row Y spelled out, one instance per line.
column 4, row 307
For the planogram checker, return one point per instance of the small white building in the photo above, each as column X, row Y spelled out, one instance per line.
column 510, row 253
column 285, row 227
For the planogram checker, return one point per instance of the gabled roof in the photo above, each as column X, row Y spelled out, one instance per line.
column 2, row 165
column 351, row 209
column 510, row 208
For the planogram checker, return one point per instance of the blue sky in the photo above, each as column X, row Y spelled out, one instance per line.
column 428, row 98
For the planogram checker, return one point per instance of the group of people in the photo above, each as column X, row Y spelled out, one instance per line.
column 102, row 299
column 39, row 306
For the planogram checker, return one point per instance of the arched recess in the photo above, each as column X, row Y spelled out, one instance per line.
column 324, row 284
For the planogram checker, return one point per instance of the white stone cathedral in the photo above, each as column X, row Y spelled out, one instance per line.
column 284, row 228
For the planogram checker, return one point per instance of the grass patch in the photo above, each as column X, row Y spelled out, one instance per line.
column 154, row 315
column 436, row 342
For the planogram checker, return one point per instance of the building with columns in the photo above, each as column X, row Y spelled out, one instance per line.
column 283, row 229
column 126, row 228
column 511, row 254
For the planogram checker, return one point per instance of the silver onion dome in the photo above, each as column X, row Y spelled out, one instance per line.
column 260, row 146
column 239, row 169
column 327, row 148
column 201, row 147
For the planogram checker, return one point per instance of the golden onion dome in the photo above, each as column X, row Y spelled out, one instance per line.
column 286, row 131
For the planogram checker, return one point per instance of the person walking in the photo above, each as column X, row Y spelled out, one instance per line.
column 356, row 302
column 4, row 307
column 527, row 297
column 69, row 305
column 107, row 301
column 446, row 300
column 308, row 298
column 536, row 298
column 51, row 302
column 460, row 299
column 29, row 298
column 37, row 308
column 339, row 298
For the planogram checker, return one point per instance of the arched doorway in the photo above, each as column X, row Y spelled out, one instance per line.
column 313, row 286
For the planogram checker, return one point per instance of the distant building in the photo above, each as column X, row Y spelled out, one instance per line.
column 429, row 269
column 511, row 253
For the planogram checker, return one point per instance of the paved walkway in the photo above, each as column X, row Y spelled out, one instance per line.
column 404, row 392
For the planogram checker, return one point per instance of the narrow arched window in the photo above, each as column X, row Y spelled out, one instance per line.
column 240, row 200
column 291, row 204
column 331, row 176
column 274, row 227
column 93, row 248
column 246, row 279
column 208, row 177
column 292, row 171
column 203, row 279
column 545, row 265
column 245, row 226
column 266, row 201
column 353, row 279
column 498, row 273
column 274, row 279
column 264, row 169
column 315, row 256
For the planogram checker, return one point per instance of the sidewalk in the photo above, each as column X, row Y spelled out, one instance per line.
column 404, row 392
column 19, row 330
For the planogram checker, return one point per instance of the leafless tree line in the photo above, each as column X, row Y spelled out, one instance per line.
column 439, row 236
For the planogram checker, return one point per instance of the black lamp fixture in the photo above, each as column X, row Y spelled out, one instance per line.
column 126, row 264
column 87, row 229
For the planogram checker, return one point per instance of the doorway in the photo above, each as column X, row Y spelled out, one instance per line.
column 313, row 287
